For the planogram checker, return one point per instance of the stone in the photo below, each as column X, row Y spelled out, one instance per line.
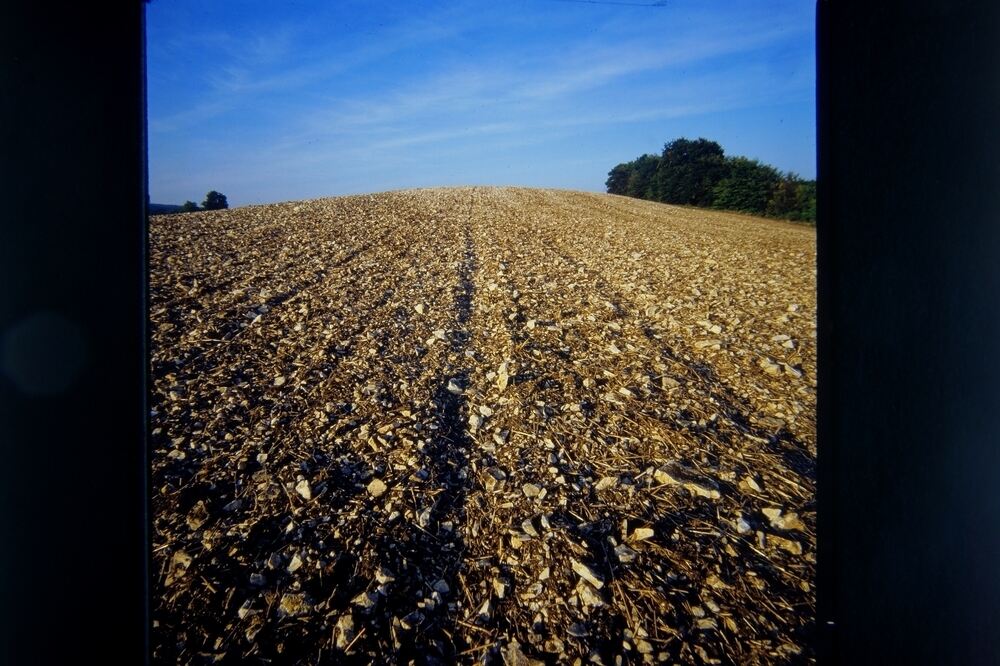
column 770, row 367
column 344, row 631
column 793, row 547
column 377, row 488
column 530, row 490
column 668, row 383
column 303, row 489
column 742, row 526
column 197, row 516
column 606, row 482
column 502, row 377
column 366, row 601
column 584, row 572
column 625, row 554
column 663, row 476
column 702, row 491
column 494, row 478
column 295, row 564
column 294, row 604
column 179, row 564
column 642, row 533
column 424, row 518
column 791, row 521
column 588, row 595
column 788, row 521
column 789, row 370
column 771, row 513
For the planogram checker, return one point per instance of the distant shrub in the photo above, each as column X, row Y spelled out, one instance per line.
column 697, row 173
column 793, row 199
column 747, row 186
column 642, row 179
column 215, row 201
column 689, row 171
column 617, row 182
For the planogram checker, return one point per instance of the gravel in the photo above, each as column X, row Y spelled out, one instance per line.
column 482, row 425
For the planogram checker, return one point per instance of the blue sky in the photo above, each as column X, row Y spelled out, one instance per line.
column 279, row 101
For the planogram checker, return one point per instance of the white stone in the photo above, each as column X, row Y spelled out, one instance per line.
column 585, row 573
column 376, row 488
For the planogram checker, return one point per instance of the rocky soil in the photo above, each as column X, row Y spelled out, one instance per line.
column 482, row 425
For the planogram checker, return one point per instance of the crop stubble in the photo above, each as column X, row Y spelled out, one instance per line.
column 499, row 424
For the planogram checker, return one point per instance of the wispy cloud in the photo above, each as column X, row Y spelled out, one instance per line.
column 251, row 66
column 495, row 88
column 373, row 88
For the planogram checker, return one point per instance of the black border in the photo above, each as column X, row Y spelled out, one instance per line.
column 72, row 240
column 909, row 286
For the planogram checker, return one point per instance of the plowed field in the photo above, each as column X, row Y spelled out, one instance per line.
column 492, row 425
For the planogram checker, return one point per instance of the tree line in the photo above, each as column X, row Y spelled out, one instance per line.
column 213, row 201
column 698, row 173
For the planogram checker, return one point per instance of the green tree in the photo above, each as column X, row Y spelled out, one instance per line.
column 783, row 200
column 805, row 196
column 793, row 199
column 215, row 201
column 617, row 182
column 747, row 187
column 189, row 207
column 688, row 171
column 641, row 180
